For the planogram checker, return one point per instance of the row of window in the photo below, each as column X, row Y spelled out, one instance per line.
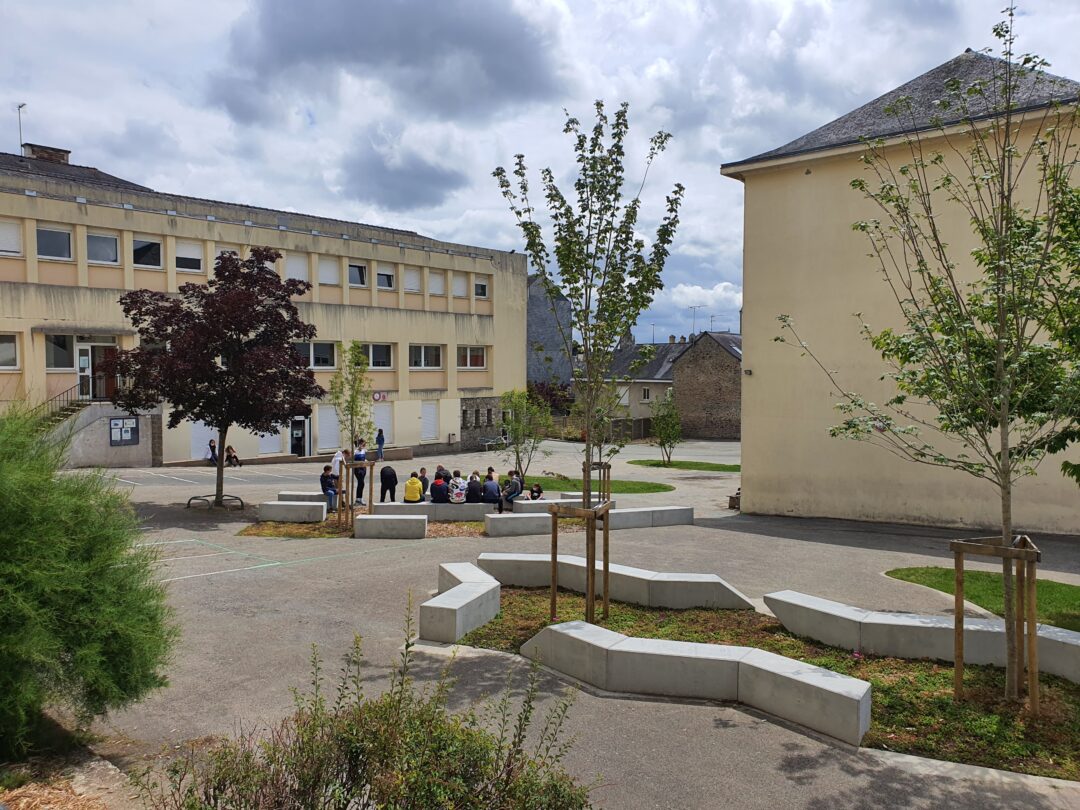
column 322, row 356
column 55, row 243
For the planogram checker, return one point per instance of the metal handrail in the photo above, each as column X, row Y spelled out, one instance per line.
column 76, row 394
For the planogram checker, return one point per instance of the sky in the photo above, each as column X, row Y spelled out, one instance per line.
column 395, row 113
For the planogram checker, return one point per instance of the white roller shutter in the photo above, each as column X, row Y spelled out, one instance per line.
column 461, row 285
column 10, row 237
column 201, row 434
column 296, row 266
column 270, row 443
column 412, row 279
column 429, row 421
column 329, row 431
column 437, row 282
column 382, row 414
column 329, row 270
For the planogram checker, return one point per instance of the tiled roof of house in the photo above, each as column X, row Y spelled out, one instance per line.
column 50, row 169
column 657, row 368
column 1034, row 90
column 732, row 343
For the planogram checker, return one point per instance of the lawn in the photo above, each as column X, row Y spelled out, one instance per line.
column 618, row 487
column 705, row 466
column 1057, row 603
column 913, row 710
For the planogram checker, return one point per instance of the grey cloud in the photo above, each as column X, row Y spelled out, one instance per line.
column 450, row 60
column 398, row 179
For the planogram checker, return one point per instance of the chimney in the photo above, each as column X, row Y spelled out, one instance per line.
column 52, row 154
column 671, row 339
column 682, row 339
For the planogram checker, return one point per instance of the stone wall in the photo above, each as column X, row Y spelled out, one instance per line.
column 546, row 359
column 472, row 433
column 708, row 391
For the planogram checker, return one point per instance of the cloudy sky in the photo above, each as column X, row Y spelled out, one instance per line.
column 394, row 112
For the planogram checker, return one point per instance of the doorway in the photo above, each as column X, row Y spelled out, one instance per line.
column 90, row 357
column 300, row 437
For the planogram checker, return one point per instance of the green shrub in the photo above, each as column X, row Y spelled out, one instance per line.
column 83, row 620
column 402, row 749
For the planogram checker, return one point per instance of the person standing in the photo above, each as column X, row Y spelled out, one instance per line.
column 360, row 456
column 336, row 462
column 380, row 441
column 388, row 479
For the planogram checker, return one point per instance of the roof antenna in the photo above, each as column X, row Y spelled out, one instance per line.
column 19, row 109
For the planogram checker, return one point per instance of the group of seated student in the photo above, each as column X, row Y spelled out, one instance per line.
column 452, row 487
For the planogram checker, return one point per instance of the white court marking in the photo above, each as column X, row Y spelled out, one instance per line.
column 164, row 543
column 175, row 478
column 196, row 556
column 125, row 481
column 227, row 571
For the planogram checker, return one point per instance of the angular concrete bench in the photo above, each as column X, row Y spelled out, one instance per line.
column 516, row 525
column 436, row 511
column 390, row 527
column 539, row 507
column 817, row 698
column 644, row 517
column 468, row 598
column 634, row 585
column 293, row 511
column 907, row 635
column 309, row 497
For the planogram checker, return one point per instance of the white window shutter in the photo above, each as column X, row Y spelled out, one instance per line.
column 10, row 237
column 437, row 283
column 412, row 279
column 189, row 250
column 329, row 270
column 461, row 285
column 429, row 420
column 296, row 266
column 329, row 431
column 382, row 414
column 201, row 434
column 270, row 443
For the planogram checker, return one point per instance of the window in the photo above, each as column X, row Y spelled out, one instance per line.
column 646, row 394
column 10, row 238
column 412, row 279
column 316, row 355
column 464, row 420
column 329, row 270
column 489, row 417
column 189, row 257
column 296, row 266
column 380, row 355
column 146, row 252
column 425, row 357
column 480, row 289
column 385, row 279
column 358, row 275
column 436, row 282
column 461, row 285
column 53, row 244
column 60, row 351
column 476, row 417
column 472, row 357
column 9, row 355
column 102, row 248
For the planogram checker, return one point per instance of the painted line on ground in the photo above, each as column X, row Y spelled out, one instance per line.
column 227, row 571
column 165, row 542
column 195, row 556
column 185, row 480
column 235, row 551
column 125, row 481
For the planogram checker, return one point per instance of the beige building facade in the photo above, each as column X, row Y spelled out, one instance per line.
column 802, row 258
column 444, row 323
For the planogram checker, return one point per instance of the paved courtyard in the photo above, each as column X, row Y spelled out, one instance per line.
column 251, row 608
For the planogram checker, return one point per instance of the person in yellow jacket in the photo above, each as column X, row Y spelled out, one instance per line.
column 414, row 490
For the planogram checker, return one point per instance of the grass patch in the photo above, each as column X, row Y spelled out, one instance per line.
column 618, row 487
column 1057, row 603
column 913, row 710
column 706, row 466
column 296, row 531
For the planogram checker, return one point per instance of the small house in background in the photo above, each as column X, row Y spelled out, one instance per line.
column 704, row 374
column 545, row 352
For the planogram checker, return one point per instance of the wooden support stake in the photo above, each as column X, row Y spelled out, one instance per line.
column 590, row 570
column 371, row 488
column 1033, row 641
column 607, row 518
column 554, row 562
column 1020, row 616
column 958, row 627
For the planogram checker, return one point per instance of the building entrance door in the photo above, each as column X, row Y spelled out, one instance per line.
column 298, row 437
column 93, row 384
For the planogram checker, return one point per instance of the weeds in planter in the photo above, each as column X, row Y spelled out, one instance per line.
column 402, row 748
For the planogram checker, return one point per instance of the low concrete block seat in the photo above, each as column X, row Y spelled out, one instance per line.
column 293, row 511
column 453, row 574
column 390, row 527
column 825, row 701
column 436, row 511
column 822, row 619
column 644, row 517
column 635, row 585
column 310, row 497
column 1059, row 652
column 515, row 525
column 450, row 615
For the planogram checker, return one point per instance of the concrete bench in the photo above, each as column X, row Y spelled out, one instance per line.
column 450, row 615
column 390, row 527
column 437, row 511
column 634, row 585
column 538, row 507
column 293, row 511
column 907, row 635
column 644, row 517
column 820, row 699
column 511, row 525
column 453, row 574
column 309, row 497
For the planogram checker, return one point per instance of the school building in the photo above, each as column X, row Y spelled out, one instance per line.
column 444, row 324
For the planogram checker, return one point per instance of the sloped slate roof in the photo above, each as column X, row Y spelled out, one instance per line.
column 872, row 121
column 732, row 343
column 17, row 164
column 658, row 368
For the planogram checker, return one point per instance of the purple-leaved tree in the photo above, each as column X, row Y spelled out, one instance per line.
column 221, row 352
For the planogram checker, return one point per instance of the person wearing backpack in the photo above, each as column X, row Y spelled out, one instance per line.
column 512, row 489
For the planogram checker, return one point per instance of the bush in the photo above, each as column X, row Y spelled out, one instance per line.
column 83, row 620
column 402, row 749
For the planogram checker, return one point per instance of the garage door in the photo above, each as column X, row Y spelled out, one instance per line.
column 329, row 432
column 382, row 414
column 270, row 443
column 201, row 434
column 429, row 421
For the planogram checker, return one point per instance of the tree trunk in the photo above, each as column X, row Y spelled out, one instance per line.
column 220, row 487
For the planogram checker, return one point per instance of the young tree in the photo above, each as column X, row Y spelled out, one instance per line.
column 84, row 622
column 985, row 378
column 350, row 392
column 604, row 268
column 221, row 352
column 666, row 425
column 526, row 423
